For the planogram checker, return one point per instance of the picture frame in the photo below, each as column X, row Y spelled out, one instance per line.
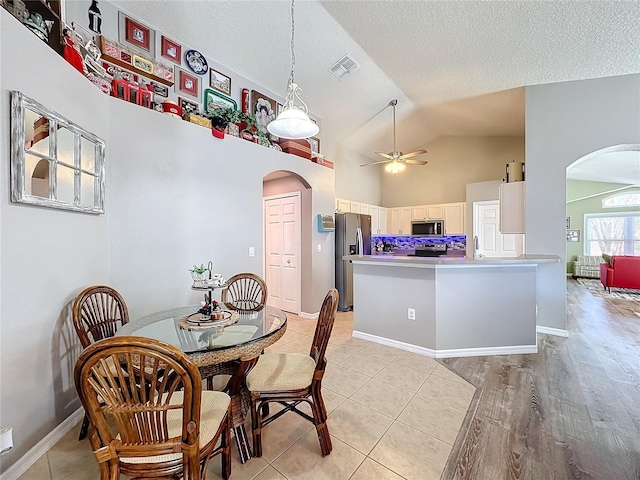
column 573, row 235
column 263, row 108
column 214, row 99
column 187, row 83
column 314, row 143
column 135, row 34
column 188, row 106
column 219, row 81
column 171, row 50
column 568, row 223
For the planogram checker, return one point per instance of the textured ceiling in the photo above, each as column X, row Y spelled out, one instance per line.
column 456, row 67
column 614, row 167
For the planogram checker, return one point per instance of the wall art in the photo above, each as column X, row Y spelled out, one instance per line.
column 188, row 106
column 136, row 35
column 213, row 99
column 196, row 62
column 573, row 235
column 187, row 83
column 171, row 50
column 219, row 81
column 314, row 143
column 263, row 108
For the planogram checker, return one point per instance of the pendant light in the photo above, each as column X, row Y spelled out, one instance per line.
column 293, row 122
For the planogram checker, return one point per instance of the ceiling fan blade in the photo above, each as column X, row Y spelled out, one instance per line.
column 385, row 155
column 414, row 153
column 416, row 162
column 374, row 163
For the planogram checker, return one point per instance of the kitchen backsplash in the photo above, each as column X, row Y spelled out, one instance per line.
column 407, row 242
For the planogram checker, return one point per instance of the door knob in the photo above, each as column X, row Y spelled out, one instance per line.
column 288, row 262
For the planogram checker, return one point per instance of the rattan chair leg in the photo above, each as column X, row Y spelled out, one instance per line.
column 256, row 427
column 265, row 410
column 320, row 422
column 226, row 450
column 84, row 428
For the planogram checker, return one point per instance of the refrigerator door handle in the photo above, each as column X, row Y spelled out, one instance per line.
column 359, row 241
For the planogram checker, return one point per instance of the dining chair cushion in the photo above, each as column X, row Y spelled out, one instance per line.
column 281, row 371
column 214, row 406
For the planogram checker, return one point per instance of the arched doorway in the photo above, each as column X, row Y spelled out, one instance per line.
column 593, row 226
column 287, row 240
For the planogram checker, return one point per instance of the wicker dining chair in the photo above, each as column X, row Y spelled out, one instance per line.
column 291, row 378
column 245, row 292
column 160, row 426
column 98, row 311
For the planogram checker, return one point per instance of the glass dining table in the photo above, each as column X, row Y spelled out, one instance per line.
column 233, row 349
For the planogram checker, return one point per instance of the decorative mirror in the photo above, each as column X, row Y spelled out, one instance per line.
column 54, row 162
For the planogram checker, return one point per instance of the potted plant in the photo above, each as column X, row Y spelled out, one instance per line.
column 199, row 275
column 221, row 116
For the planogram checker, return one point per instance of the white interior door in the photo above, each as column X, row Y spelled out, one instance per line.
column 282, row 251
column 492, row 243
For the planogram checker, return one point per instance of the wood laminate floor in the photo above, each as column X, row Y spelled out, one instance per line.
column 572, row 411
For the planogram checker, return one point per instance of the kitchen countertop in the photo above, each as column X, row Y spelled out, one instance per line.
column 404, row 260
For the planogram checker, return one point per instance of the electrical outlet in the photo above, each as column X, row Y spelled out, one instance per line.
column 411, row 313
column 252, row 251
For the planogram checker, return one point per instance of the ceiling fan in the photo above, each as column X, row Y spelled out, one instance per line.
column 396, row 160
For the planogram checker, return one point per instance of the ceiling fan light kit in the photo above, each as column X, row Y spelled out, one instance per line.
column 396, row 161
column 293, row 122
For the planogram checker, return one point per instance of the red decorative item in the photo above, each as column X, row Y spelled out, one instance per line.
column 217, row 133
column 245, row 100
column 300, row 148
column 71, row 54
column 172, row 108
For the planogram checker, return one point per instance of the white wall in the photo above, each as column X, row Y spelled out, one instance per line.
column 48, row 256
column 453, row 163
column 353, row 182
column 564, row 122
column 175, row 196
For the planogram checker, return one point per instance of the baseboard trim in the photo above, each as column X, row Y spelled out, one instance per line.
column 40, row 448
column 311, row 316
column 486, row 351
column 552, row 331
column 395, row 343
column 448, row 353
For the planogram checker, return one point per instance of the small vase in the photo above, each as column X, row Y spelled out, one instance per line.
column 200, row 279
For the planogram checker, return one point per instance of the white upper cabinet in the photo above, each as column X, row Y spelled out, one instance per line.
column 419, row 213
column 400, row 221
column 365, row 209
column 343, row 206
column 454, row 218
column 512, row 207
column 435, row 212
column 382, row 220
column 355, row 207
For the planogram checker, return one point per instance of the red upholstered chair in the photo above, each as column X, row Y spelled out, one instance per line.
column 621, row 272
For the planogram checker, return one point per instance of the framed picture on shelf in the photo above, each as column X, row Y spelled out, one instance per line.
column 213, row 99
column 314, row 143
column 171, row 50
column 187, row 83
column 263, row 108
column 219, row 81
column 188, row 106
column 135, row 34
column 573, row 235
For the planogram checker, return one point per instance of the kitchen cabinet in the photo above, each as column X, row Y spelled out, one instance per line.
column 343, row 206
column 419, row 213
column 435, row 212
column 378, row 220
column 512, row 207
column 399, row 221
column 382, row 220
column 454, row 218
column 355, row 207
column 365, row 209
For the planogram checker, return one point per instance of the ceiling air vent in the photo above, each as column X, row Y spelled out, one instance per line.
column 344, row 66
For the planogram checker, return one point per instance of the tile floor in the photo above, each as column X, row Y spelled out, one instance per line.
column 392, row 415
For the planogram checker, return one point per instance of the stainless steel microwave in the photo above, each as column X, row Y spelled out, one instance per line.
column 429, row 228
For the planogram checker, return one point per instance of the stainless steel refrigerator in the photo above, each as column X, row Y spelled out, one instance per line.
column 353, row 237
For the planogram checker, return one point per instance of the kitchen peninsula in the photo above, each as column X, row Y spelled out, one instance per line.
column 461, row 307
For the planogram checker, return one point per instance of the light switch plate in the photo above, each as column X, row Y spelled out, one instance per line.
column 319, row 247
column 252, row 251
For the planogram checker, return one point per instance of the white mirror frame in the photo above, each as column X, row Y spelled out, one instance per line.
column 20, row 102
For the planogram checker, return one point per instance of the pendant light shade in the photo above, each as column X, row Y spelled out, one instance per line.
column 293, row 122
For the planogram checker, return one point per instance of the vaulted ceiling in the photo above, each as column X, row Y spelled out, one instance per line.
column 456, row 67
